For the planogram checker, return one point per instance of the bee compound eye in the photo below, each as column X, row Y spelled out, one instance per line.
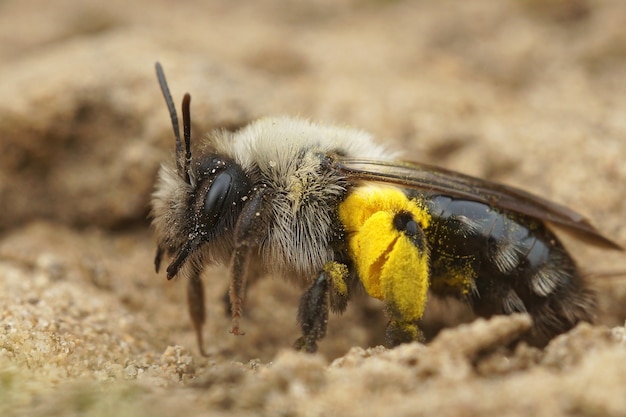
column 216, row 195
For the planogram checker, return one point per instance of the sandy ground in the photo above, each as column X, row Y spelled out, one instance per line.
column 527, row 92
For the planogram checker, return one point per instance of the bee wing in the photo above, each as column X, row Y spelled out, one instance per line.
column 433, row 179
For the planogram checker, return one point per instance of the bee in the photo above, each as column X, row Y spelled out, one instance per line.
column 330, row 208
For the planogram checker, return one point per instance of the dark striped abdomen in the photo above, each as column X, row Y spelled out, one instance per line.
column 504, row 263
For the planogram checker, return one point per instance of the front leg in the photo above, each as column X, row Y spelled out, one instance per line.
column 195, row 302
column 329, row 287
column 249, row 233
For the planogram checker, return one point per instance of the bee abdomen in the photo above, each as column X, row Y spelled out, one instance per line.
column 509, row 263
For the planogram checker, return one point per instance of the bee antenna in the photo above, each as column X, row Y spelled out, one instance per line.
column 187, row 132
column 173, row 116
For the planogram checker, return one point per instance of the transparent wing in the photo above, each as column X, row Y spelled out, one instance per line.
column 433, row 179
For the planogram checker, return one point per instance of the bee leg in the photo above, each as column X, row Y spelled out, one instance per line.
column 158, row 256
column 254, row 273
column 195, row 301
column 249, row 232
column 401, row 331
column 313, row 314
column 328, row 291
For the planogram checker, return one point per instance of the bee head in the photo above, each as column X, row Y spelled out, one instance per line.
column 215, row 190
column 221, row 189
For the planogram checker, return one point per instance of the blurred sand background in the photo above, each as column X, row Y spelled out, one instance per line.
column 528, row 92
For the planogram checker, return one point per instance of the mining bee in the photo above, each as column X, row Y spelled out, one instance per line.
column 330, row 208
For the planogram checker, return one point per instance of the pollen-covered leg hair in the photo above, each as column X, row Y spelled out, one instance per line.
column 400, row 329
column 249, row 232
column 330, row 289
column 313, row 314
column 399, row 332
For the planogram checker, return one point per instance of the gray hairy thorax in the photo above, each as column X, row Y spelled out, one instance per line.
column 287, row 156
column 302, row 218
